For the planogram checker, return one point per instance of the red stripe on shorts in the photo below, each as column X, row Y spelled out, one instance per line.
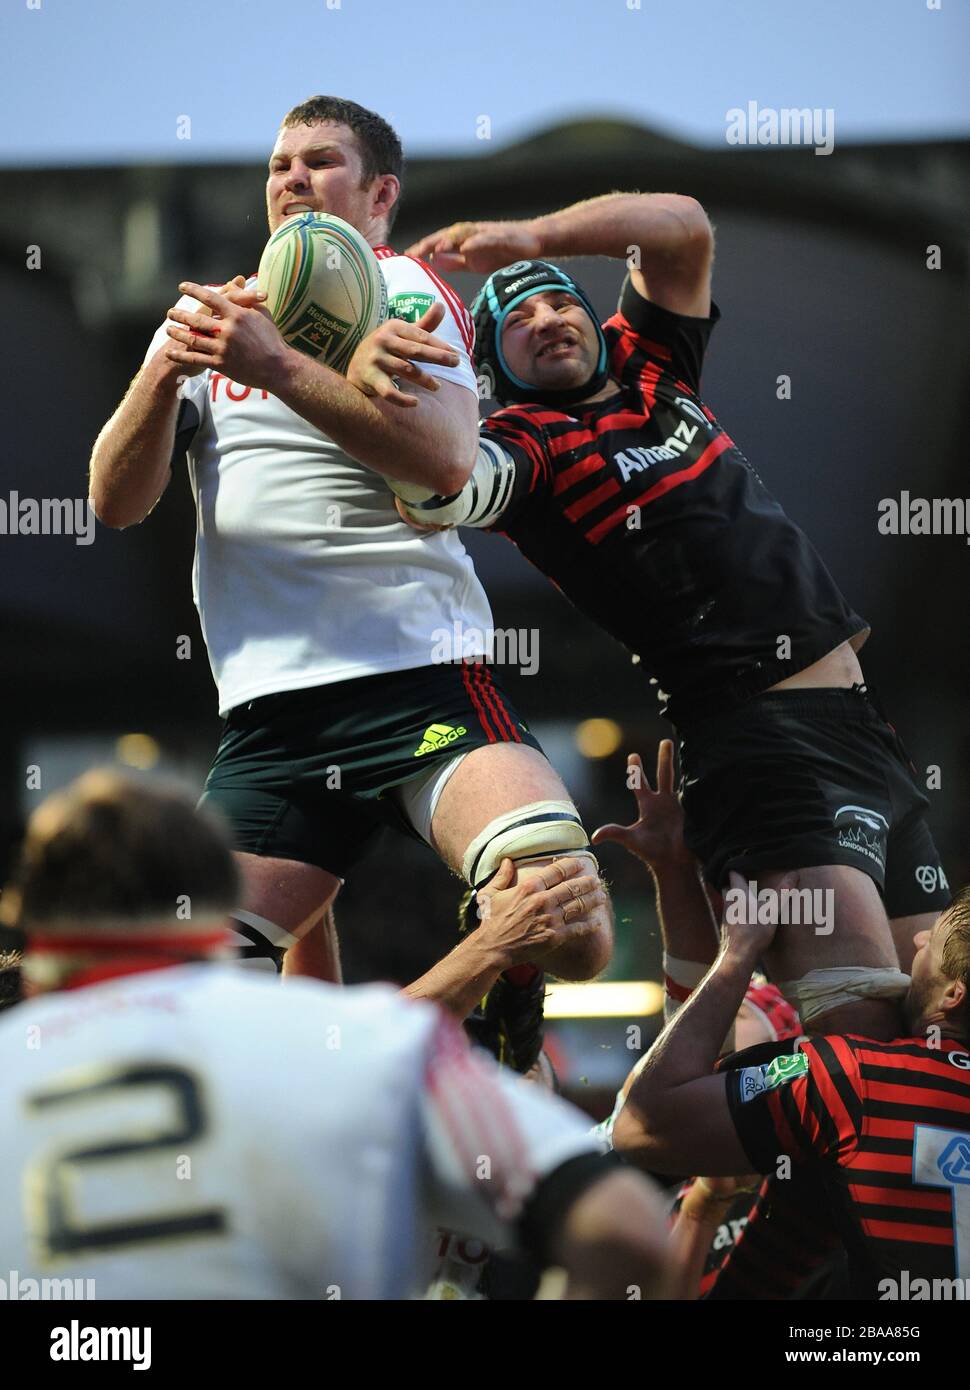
column 466, row 675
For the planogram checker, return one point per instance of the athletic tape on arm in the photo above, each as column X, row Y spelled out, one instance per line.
column 681, row 978
column 480, row 502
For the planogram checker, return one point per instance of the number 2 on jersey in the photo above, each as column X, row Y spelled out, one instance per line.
column 52, row 1180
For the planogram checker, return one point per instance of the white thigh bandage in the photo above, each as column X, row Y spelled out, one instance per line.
column 821, row 990
column 535, row 831
column 419, row 797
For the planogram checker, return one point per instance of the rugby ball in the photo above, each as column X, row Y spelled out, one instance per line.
column 323, row 286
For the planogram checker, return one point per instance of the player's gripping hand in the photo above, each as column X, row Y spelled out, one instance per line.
column 751, row 917
column 478, row 246
column 657, row 835
column 393, row 350
column 231, row 333
column 234, row 289
column 708, row 1200
column 525, row 916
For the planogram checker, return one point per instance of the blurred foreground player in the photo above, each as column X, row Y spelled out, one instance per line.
column 884, row 1127
column 321, row 610
column 611, row 474
column 153, row 1149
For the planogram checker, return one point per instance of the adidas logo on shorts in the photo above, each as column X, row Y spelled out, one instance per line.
column 438, row 736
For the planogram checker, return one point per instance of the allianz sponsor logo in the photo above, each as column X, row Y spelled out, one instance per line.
column 787, row 125
column 923, row 516
column 47, row 516
column 15, row 1289
column 637, row 459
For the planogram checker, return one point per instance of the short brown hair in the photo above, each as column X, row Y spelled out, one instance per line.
column 379, row 145
column 10, row 981
column 955, row 955
column 114, row 847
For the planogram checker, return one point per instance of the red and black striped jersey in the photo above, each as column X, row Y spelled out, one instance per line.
column 645, row 513
column 886, row 1125
column 781, row 1245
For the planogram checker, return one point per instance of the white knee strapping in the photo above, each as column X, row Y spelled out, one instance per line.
column 276, row 936
column 821, row 990
column 534, row 831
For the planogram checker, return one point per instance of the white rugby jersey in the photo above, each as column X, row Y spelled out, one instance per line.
column 304, row 573
column 198, row 1132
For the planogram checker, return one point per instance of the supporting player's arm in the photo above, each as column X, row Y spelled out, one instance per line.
column 520, row 922
column 665, row 238
column 433, row 445
column 676, row 1118
column 687, row 926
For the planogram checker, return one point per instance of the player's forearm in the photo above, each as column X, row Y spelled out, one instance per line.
column 462, row 978
column 691, row 1239
column 654, row 224
column 426, row 446
column 131, row 459
column 480, row 502
column 690, row 1045
column 687, row 925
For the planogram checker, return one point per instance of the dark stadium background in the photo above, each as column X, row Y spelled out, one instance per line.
column 821, row 275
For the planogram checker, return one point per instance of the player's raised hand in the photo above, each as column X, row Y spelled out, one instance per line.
column 478, row 246
column 657, row 835
column 393, row 350
column 228, row 334
column 526, row 916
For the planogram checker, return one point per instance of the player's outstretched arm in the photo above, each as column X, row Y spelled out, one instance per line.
column 676, row 1117
column 656, row 838
column 520, row 922
column 665, row 238
column 434, row 444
